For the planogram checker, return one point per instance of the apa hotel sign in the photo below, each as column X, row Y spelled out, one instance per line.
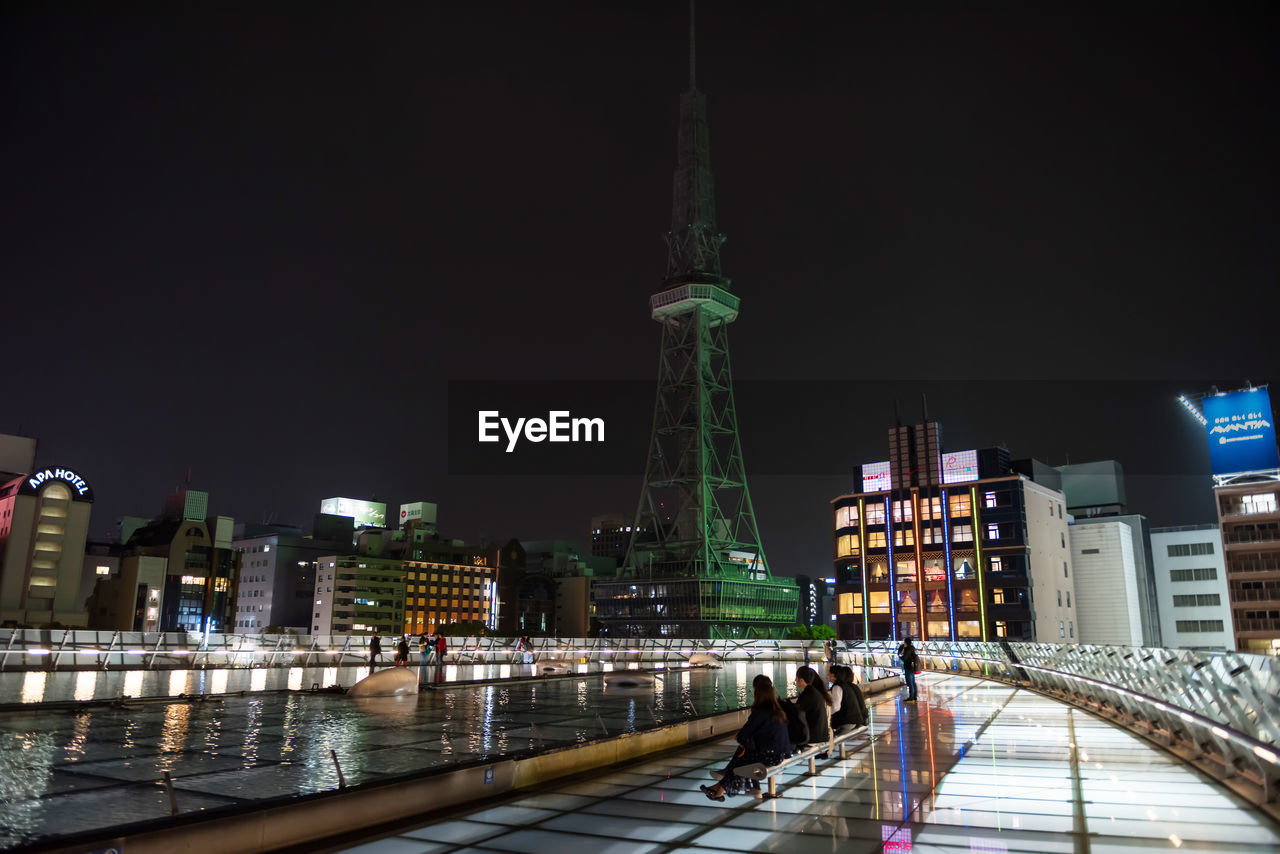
column 80, row 488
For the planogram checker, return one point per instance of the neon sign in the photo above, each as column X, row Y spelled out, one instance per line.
column 41, row 478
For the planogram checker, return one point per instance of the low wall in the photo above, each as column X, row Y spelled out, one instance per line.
column 310, row 818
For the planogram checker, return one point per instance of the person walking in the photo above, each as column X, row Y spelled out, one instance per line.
column 375, row 650
column 402, row 652
column 910, row 661
column 763, row 738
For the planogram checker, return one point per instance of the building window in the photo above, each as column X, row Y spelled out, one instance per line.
column 1064, row 569
column 997, row 563
column 989, row 500
column 1071, row 628
column 904, row 537
column 103, row 570
column 902, row 511
column 1089, row 551
column 1189, row 549
column 1064, row 539
column 875, row 539
column 1199, row 625
column 846, row 545
column 846, row 517
column 1068, row 598
column 1059, row 598
column 993, row 531
column 1203, row 573
column 962, row 533
column 875, row 514
column 1260, row 503
column 1193, row 600
column 959, row 505
column 1062, row 629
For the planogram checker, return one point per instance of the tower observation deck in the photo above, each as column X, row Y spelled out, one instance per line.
column 695, row 566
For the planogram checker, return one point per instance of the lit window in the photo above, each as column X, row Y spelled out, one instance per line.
column 993, row 531
column 104, row 570
column 989, row 500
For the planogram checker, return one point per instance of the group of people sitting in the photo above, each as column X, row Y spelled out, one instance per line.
column 777, row 728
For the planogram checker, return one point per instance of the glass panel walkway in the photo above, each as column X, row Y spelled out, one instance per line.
column 974, row 767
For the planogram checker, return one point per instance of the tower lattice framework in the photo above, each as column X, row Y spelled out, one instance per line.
column 695, row 565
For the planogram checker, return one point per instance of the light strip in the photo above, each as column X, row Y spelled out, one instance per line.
column 977, row 551
column 946, row 544
column 862, row 552
column 893, row 569
column 921, row 606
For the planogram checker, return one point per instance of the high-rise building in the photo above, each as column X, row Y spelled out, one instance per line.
column 1244, row 458
column 1120, row 576
column 277, row 576
column 705, row 574
column 1191, row 583
column 951, row 545
column 44, row 523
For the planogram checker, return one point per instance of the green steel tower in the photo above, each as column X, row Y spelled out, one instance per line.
column 695, row 566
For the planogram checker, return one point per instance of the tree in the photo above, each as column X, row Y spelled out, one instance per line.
column 823, row 633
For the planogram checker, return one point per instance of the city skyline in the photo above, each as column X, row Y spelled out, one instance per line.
column 259, row 247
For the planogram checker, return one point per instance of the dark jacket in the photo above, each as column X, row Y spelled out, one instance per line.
column 763, row 735
column 814, row 709
column 375, row 646
column 845, row 714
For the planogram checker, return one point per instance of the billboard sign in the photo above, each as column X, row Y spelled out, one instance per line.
column 1241, row 434
column 875, row 477
column 419, row 511
column 366, row 513
column 959, row 466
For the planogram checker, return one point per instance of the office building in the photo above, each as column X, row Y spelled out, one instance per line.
column 1191, row 583
column 277, row 575
column 951, row 545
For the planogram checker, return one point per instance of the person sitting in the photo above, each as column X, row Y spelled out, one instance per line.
column 763, row 739
column 814, row 702
column 841, row 701
column 853, row 706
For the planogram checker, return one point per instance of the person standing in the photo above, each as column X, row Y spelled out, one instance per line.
column 375, row 650
column 910, row 661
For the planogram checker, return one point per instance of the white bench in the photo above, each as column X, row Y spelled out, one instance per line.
column 758, row 771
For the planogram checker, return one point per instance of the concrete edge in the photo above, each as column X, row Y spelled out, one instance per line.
column 324, row 815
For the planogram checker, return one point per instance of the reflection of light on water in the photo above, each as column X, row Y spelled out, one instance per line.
column 451, row 673
column 75, row 747
column 86, row 681
column 174, row 731
column 330, row 677
column 33, row 686
column 504, row 671
column 258, row 681
column 177, row 682
column 477, row 672
column 133, row 683
column 219, row 681
column 295, row 678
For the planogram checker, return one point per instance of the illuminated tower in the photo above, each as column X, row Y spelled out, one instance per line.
column 704, row 574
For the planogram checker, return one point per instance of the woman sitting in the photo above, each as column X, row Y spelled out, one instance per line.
column 763, row 738
column 852, row 710
column 814, row 702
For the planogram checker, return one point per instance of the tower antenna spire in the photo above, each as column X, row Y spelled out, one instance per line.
column 693, row 51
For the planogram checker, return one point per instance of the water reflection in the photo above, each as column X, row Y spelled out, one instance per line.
column 295, row 678
column 86, row 681
column 33, row 686
column 177, row 682
column 133, row 683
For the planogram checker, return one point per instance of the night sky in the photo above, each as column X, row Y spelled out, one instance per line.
column 259, row 245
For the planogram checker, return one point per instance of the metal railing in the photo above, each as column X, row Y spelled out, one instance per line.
column 1219, row 712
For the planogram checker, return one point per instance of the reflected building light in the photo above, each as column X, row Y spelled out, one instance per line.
column 33, row 686
column 86, row 682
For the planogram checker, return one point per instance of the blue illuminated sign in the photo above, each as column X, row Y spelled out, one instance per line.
column 1241, row 434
